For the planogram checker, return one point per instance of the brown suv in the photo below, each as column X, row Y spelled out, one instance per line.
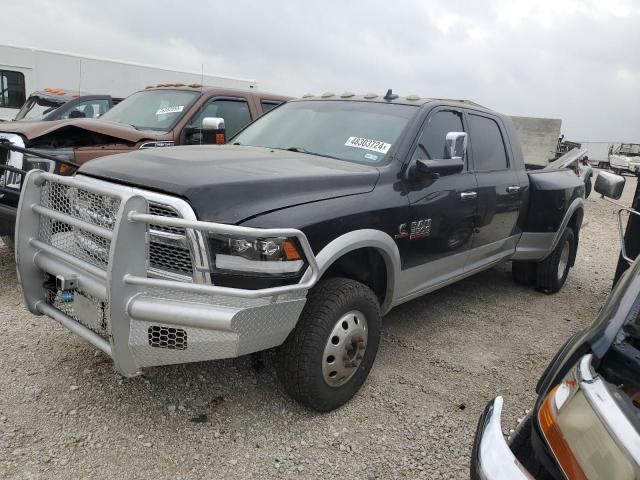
column 161, row 116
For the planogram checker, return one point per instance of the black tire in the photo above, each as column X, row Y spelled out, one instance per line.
column 524, row 273
column 587, row 188
column 9, row 241
column 300, row 359
column 520, row 445
column 549, row 278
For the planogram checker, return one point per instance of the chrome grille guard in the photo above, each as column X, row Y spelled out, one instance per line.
column 123, row 278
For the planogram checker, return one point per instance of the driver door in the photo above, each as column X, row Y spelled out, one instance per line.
column 440, row 213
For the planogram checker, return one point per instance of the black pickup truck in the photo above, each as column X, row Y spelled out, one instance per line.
column 317, row 219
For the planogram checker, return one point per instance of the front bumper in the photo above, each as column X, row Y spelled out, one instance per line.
column 492, row 458
column 88, row 268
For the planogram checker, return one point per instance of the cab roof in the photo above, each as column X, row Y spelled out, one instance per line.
column 389, row 97
column 196, row 87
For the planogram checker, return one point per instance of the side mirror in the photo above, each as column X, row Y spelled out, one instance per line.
column 443, row 167
column 76, row 114
column 213, row 130
column 609, row 185
column 457, row 145
column 456, row 150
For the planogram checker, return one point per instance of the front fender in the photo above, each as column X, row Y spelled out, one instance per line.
column 365, row 238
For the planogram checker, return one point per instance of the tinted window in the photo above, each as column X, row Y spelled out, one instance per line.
column 236, row 116
column 12, row 93
column 487, row 144
column 268, row 105
column 433, row 140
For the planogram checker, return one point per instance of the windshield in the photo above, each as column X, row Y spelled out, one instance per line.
column 348, row 130
column 152, row 109
column 36, row 107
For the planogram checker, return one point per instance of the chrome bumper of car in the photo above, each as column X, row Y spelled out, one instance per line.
column 492, row 458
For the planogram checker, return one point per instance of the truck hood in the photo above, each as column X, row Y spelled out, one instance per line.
column 33, row 130
column 228, row 184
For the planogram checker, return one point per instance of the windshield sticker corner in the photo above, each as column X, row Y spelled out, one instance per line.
column 165, row 110
column 368, row 144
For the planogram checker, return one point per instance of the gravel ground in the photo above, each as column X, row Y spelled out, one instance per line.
column 64, row 413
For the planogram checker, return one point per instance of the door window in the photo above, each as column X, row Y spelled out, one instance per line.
column 487, row 144
column 12, row 91
column 433, row 140
column 235, row 113
column 88, row 109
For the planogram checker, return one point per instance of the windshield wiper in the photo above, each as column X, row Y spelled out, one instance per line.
column 302, row 150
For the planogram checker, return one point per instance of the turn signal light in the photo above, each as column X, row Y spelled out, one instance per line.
column 547, row 418
column 290, row 250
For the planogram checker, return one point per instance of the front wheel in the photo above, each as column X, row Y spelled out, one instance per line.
column 552, row 271
column 328, row 355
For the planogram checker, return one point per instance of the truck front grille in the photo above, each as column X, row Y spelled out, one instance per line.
column 169, row 250
column 96, row 209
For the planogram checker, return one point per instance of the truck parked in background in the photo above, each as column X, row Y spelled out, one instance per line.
column 625, row 158
column 159, row 116
column 25, row 70
column 58, row 104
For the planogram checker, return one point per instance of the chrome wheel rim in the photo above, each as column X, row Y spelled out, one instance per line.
column 345, row 348
column 564, row 259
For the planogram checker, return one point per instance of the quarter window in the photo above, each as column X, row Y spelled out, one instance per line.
column 12, row 91
column 487, row 144
column 433, row 141
column 268, row 105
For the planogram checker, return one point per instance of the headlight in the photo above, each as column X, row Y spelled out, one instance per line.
column 32, row 162
column 37, row 163
column 267, row 256
column 579, row 440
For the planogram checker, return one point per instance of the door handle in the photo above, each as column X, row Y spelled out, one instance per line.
column 468, row 195
column 513, row 189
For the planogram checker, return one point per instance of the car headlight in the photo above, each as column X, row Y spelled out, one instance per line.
column 264, row 256
column 33, row 162
column 580, row 442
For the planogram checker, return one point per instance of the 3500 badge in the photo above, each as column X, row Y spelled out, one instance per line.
column 417, row 229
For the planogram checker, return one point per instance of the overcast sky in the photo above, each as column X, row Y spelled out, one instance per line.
column 576, row 60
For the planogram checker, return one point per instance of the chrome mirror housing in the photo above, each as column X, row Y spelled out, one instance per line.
column 213, row 123
column 213, row 130
column 457, row 145
column 609, row 185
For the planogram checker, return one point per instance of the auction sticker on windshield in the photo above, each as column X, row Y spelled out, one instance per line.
column 368, row 144
column 176, row 109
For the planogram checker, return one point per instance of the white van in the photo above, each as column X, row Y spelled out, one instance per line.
column 25, row 70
